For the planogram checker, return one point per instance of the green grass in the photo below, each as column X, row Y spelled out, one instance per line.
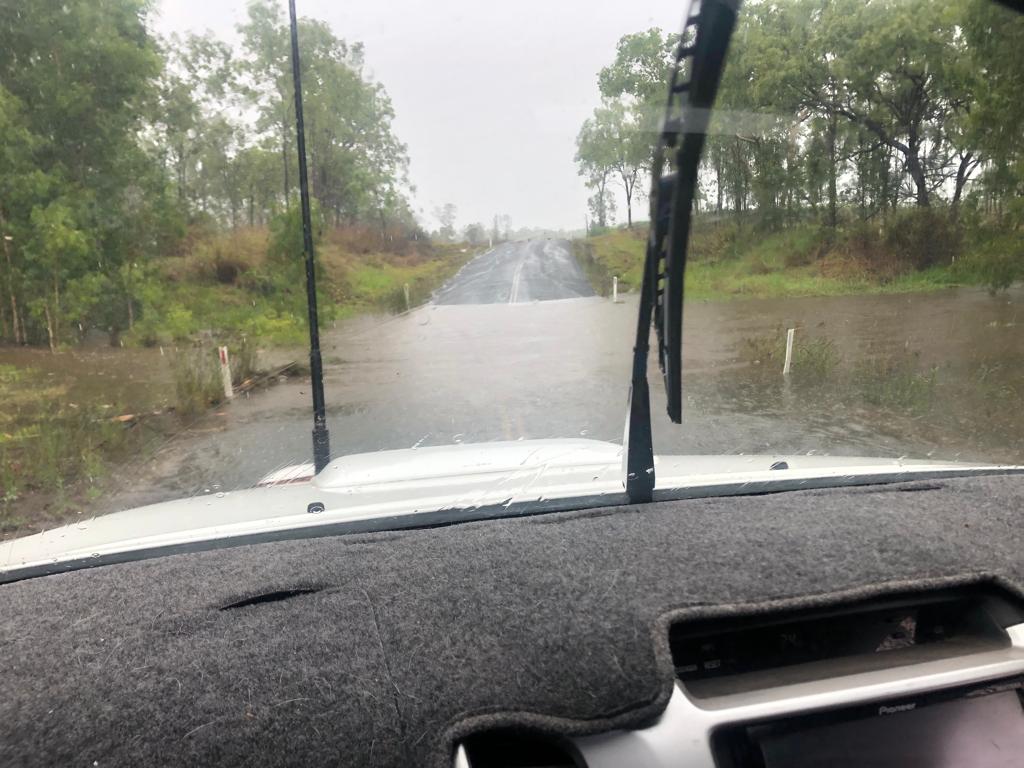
column 618, row 253
column 376, row 281
column 727, row 263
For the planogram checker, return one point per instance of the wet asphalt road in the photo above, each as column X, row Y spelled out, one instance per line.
column 516, row 273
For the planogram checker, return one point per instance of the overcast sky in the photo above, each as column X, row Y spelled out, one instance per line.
column 488, row 95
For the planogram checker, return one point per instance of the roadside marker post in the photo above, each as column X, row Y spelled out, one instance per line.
column 405, row 290
column 225, row 373
column 789, row 351
column 615, row 290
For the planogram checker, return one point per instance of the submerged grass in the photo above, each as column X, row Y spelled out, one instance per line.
column 895, row 382
column 49, row 445
column 815, row 359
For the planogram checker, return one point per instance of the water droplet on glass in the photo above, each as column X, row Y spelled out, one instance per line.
column 220, row 494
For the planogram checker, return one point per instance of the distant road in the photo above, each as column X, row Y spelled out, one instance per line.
column 516, row 273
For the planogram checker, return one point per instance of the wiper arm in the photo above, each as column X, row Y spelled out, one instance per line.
column 699, row 61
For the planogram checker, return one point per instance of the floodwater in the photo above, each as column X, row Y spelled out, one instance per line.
column 478, row 373
column 936, row 375
column 129, row 380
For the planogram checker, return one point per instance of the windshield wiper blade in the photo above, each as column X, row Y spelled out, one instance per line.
column 699, row 61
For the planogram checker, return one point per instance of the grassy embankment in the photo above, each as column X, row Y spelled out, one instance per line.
column 223, row 290
column 226, row 286
column 726, row 261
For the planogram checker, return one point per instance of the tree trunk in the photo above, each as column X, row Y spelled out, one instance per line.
column 56, row 305
column 17, row 327
column 833, row 172
column 718, row 182
column 917, row 174
column 628, row 185
column 284, row 157
column 49, row 327
column 916, row 170
column 963, row 174
column 602, row 203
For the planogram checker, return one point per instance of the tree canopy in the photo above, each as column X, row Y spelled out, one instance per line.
column 115, row 143
column 830, row 106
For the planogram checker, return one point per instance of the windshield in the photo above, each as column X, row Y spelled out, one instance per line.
column 479, row 180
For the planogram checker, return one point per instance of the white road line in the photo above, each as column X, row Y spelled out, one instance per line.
column 513, row 296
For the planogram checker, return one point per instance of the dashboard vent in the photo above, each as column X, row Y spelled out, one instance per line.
column 749, row 653
column 514, row 748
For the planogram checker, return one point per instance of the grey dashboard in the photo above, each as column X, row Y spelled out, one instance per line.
column 398, row 648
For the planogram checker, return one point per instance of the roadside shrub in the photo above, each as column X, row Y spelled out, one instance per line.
column 759, row 267
column 921, row 237
column 805, row 245
column 197, row 382
column 244, row 359
column 995, row 262
column 228, row 270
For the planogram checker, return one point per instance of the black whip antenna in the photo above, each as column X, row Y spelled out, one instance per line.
column 321, row 438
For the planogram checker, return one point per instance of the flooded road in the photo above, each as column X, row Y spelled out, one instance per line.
column 923, row 375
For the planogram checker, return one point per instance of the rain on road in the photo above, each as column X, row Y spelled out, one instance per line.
column 518, row 272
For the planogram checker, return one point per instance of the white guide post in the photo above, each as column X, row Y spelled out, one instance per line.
column 225, row 373
column 405, row 290
column 615, row 290
column 789, row 351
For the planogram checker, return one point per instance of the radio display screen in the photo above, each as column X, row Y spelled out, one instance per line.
column 985, row 731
